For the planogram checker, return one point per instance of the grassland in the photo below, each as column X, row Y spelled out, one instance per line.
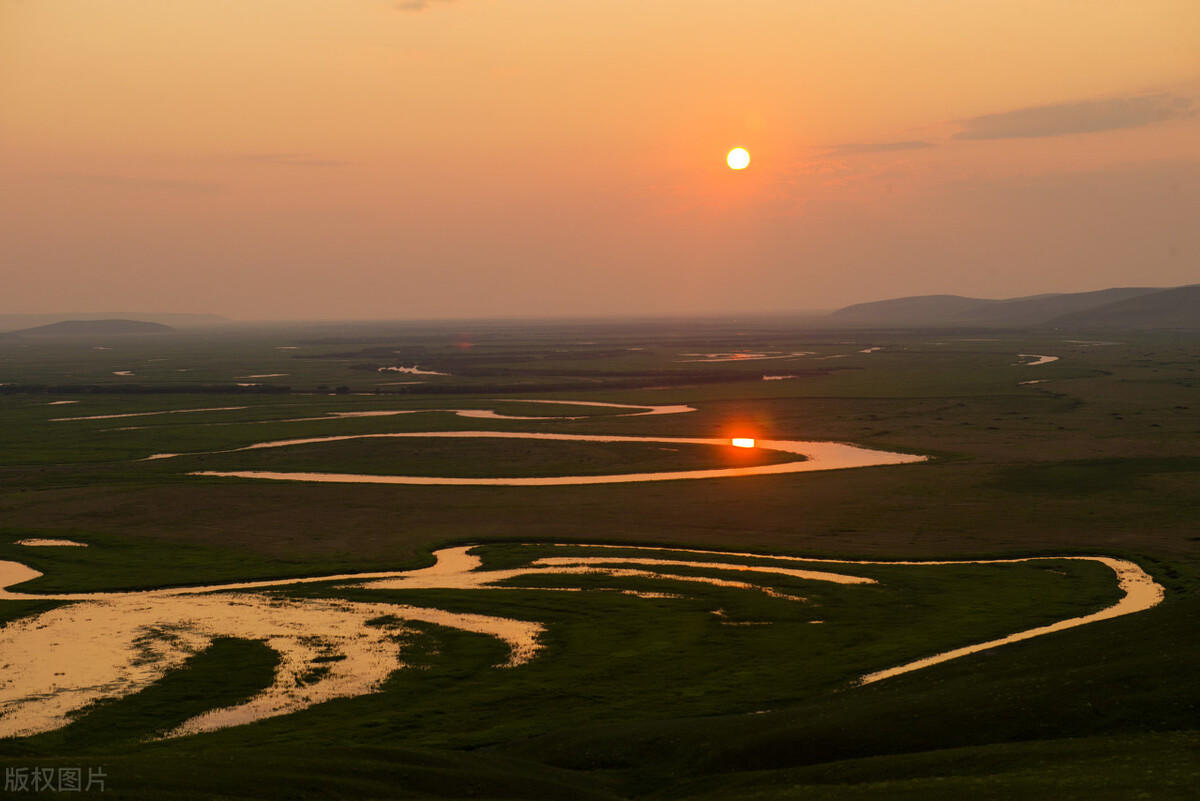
column 638, row 697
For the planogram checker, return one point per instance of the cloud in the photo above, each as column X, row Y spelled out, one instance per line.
column 876, row 147
column 1071, row 118
column 417, row 5
column 295, row 160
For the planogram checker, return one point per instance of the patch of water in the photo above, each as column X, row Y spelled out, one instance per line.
column 1036, row 360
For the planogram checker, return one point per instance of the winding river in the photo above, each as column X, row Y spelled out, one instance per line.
column 109, row 645
column 815, row 456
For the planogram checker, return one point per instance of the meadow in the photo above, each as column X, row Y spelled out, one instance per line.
column 649, row 682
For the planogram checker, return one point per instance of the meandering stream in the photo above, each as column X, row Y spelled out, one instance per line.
column 108, row 645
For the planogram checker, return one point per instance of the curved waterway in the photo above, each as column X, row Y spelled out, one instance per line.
column 108, row 645
column 1140, row 592
column 815, row 456
column 1037, row 359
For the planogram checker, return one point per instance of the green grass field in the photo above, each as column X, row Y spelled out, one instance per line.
column 636, row 697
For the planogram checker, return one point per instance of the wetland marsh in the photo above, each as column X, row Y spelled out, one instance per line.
column 999, row 552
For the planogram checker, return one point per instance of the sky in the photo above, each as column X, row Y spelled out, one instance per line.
column 375, row 159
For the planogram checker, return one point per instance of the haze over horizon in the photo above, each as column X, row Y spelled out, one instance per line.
column 365, row 159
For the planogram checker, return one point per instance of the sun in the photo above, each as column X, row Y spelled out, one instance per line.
column 738, row 158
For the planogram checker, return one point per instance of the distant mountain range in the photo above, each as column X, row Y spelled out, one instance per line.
column 1125, row 307
column 79, row 328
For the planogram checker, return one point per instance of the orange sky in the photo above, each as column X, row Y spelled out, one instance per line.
column 366, row 159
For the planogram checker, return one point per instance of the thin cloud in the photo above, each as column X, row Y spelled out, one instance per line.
column 1088, row 116
column 417, row 5
column 875, row 147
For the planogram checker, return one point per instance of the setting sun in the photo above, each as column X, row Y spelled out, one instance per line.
column 738, row 158
column 743, row 442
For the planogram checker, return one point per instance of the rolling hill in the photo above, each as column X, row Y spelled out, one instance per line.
column 1129, row 307
column 1169, row 308
column 13, row 322
column 80, row 328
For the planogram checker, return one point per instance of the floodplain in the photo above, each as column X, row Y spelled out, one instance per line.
column 232, row 636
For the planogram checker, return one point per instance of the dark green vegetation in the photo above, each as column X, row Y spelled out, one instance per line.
column 644, row 697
